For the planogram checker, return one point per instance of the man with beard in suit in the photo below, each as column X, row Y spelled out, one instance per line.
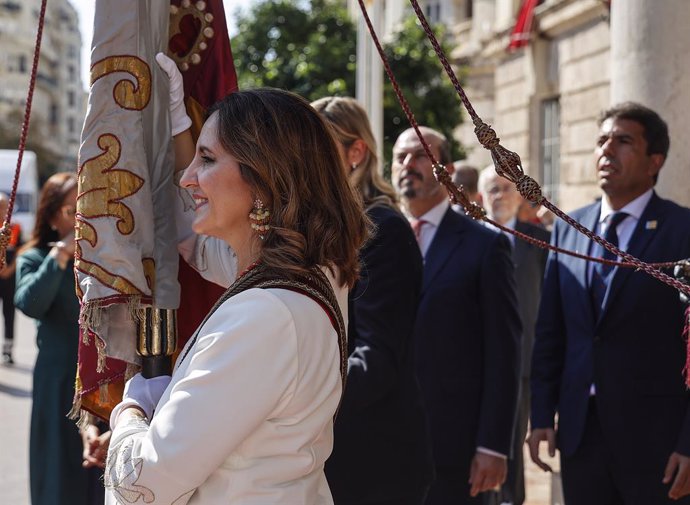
column 467, row 331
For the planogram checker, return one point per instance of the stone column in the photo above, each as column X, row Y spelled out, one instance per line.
column 483, row 19
column 650, row 43
column 369, row 74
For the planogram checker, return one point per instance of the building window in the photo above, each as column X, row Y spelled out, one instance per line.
column 70, row 125
column 71, row 72
column 70, row 98
column 433, row 11
column 53, row 116
column 551, row 148
column 17, row 63
column 10, row 6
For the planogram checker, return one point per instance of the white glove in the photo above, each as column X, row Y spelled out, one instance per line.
column 179, row 120
column 142, row 393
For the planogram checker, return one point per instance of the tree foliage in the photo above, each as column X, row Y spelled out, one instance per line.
column 310, row 49
column 305, row 48
column 424, row 84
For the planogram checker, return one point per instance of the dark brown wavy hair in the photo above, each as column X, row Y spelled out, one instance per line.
column 286, row 154
column 51, row 199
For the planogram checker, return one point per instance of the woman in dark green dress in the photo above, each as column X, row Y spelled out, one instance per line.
column 46, row 292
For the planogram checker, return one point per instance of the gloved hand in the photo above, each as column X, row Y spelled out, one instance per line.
column 179, row 120
column 142, row 393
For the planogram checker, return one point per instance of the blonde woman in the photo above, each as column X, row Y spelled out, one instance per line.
column 382, row 449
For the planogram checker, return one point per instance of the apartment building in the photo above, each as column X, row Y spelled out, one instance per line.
column 59, row 100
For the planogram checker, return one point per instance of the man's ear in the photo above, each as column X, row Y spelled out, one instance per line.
column 450, row 168
column 657, row 160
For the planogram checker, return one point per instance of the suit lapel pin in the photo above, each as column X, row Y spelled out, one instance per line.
column 650, row 225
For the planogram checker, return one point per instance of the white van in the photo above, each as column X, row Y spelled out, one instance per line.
column 26, row 201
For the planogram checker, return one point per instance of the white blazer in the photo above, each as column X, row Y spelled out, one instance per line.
column 248, row 416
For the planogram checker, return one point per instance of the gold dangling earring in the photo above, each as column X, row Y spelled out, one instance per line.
column 258, row 218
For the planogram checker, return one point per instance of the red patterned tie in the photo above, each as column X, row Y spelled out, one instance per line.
column 417, row 228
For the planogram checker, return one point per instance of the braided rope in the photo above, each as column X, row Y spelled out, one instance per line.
column 507, row 165
column 6, row 230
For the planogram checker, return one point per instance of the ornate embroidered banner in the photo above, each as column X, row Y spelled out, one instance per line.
column 126, row 255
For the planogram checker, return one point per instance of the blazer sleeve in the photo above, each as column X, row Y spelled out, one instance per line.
column 234, row 382
column 502, row 330
column 384, row 309
column 38, row 283
column 212, row 257
column 548, row 355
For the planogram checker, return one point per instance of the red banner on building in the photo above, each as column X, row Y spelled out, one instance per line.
column 522, row 31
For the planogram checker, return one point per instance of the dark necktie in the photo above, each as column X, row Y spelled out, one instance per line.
column 602, row 273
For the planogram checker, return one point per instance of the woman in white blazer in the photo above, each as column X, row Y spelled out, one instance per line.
column 247, row 417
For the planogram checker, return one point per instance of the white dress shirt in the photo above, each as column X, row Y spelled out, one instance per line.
column 625, row 228
column 432, row 219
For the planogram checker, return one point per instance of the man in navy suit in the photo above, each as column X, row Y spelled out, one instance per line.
column 608, row 356
column 467, row 330
column 502, row 202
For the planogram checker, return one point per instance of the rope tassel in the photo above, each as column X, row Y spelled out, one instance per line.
column 5, row 236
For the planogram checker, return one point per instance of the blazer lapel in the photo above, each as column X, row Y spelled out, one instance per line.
column 639, row 241
column 445, row 241
column 583, row 245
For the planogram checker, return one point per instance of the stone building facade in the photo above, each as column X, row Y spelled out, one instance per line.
column 543, row 99
column 59, row 99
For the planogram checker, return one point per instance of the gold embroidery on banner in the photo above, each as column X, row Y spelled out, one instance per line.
column 128, row 95
column 84, row 231
column 119, row 284
column 191, row 33
column 102, row 189
column 149, row 265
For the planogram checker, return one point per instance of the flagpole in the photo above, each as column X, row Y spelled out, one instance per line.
column 157, row 341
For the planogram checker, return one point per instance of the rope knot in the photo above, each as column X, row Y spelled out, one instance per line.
column 486, row 135
column 441, row 174
column 507, row 164
column 475, row 211
column 529, row 189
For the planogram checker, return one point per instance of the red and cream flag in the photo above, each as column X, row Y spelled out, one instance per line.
column 126, row 256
